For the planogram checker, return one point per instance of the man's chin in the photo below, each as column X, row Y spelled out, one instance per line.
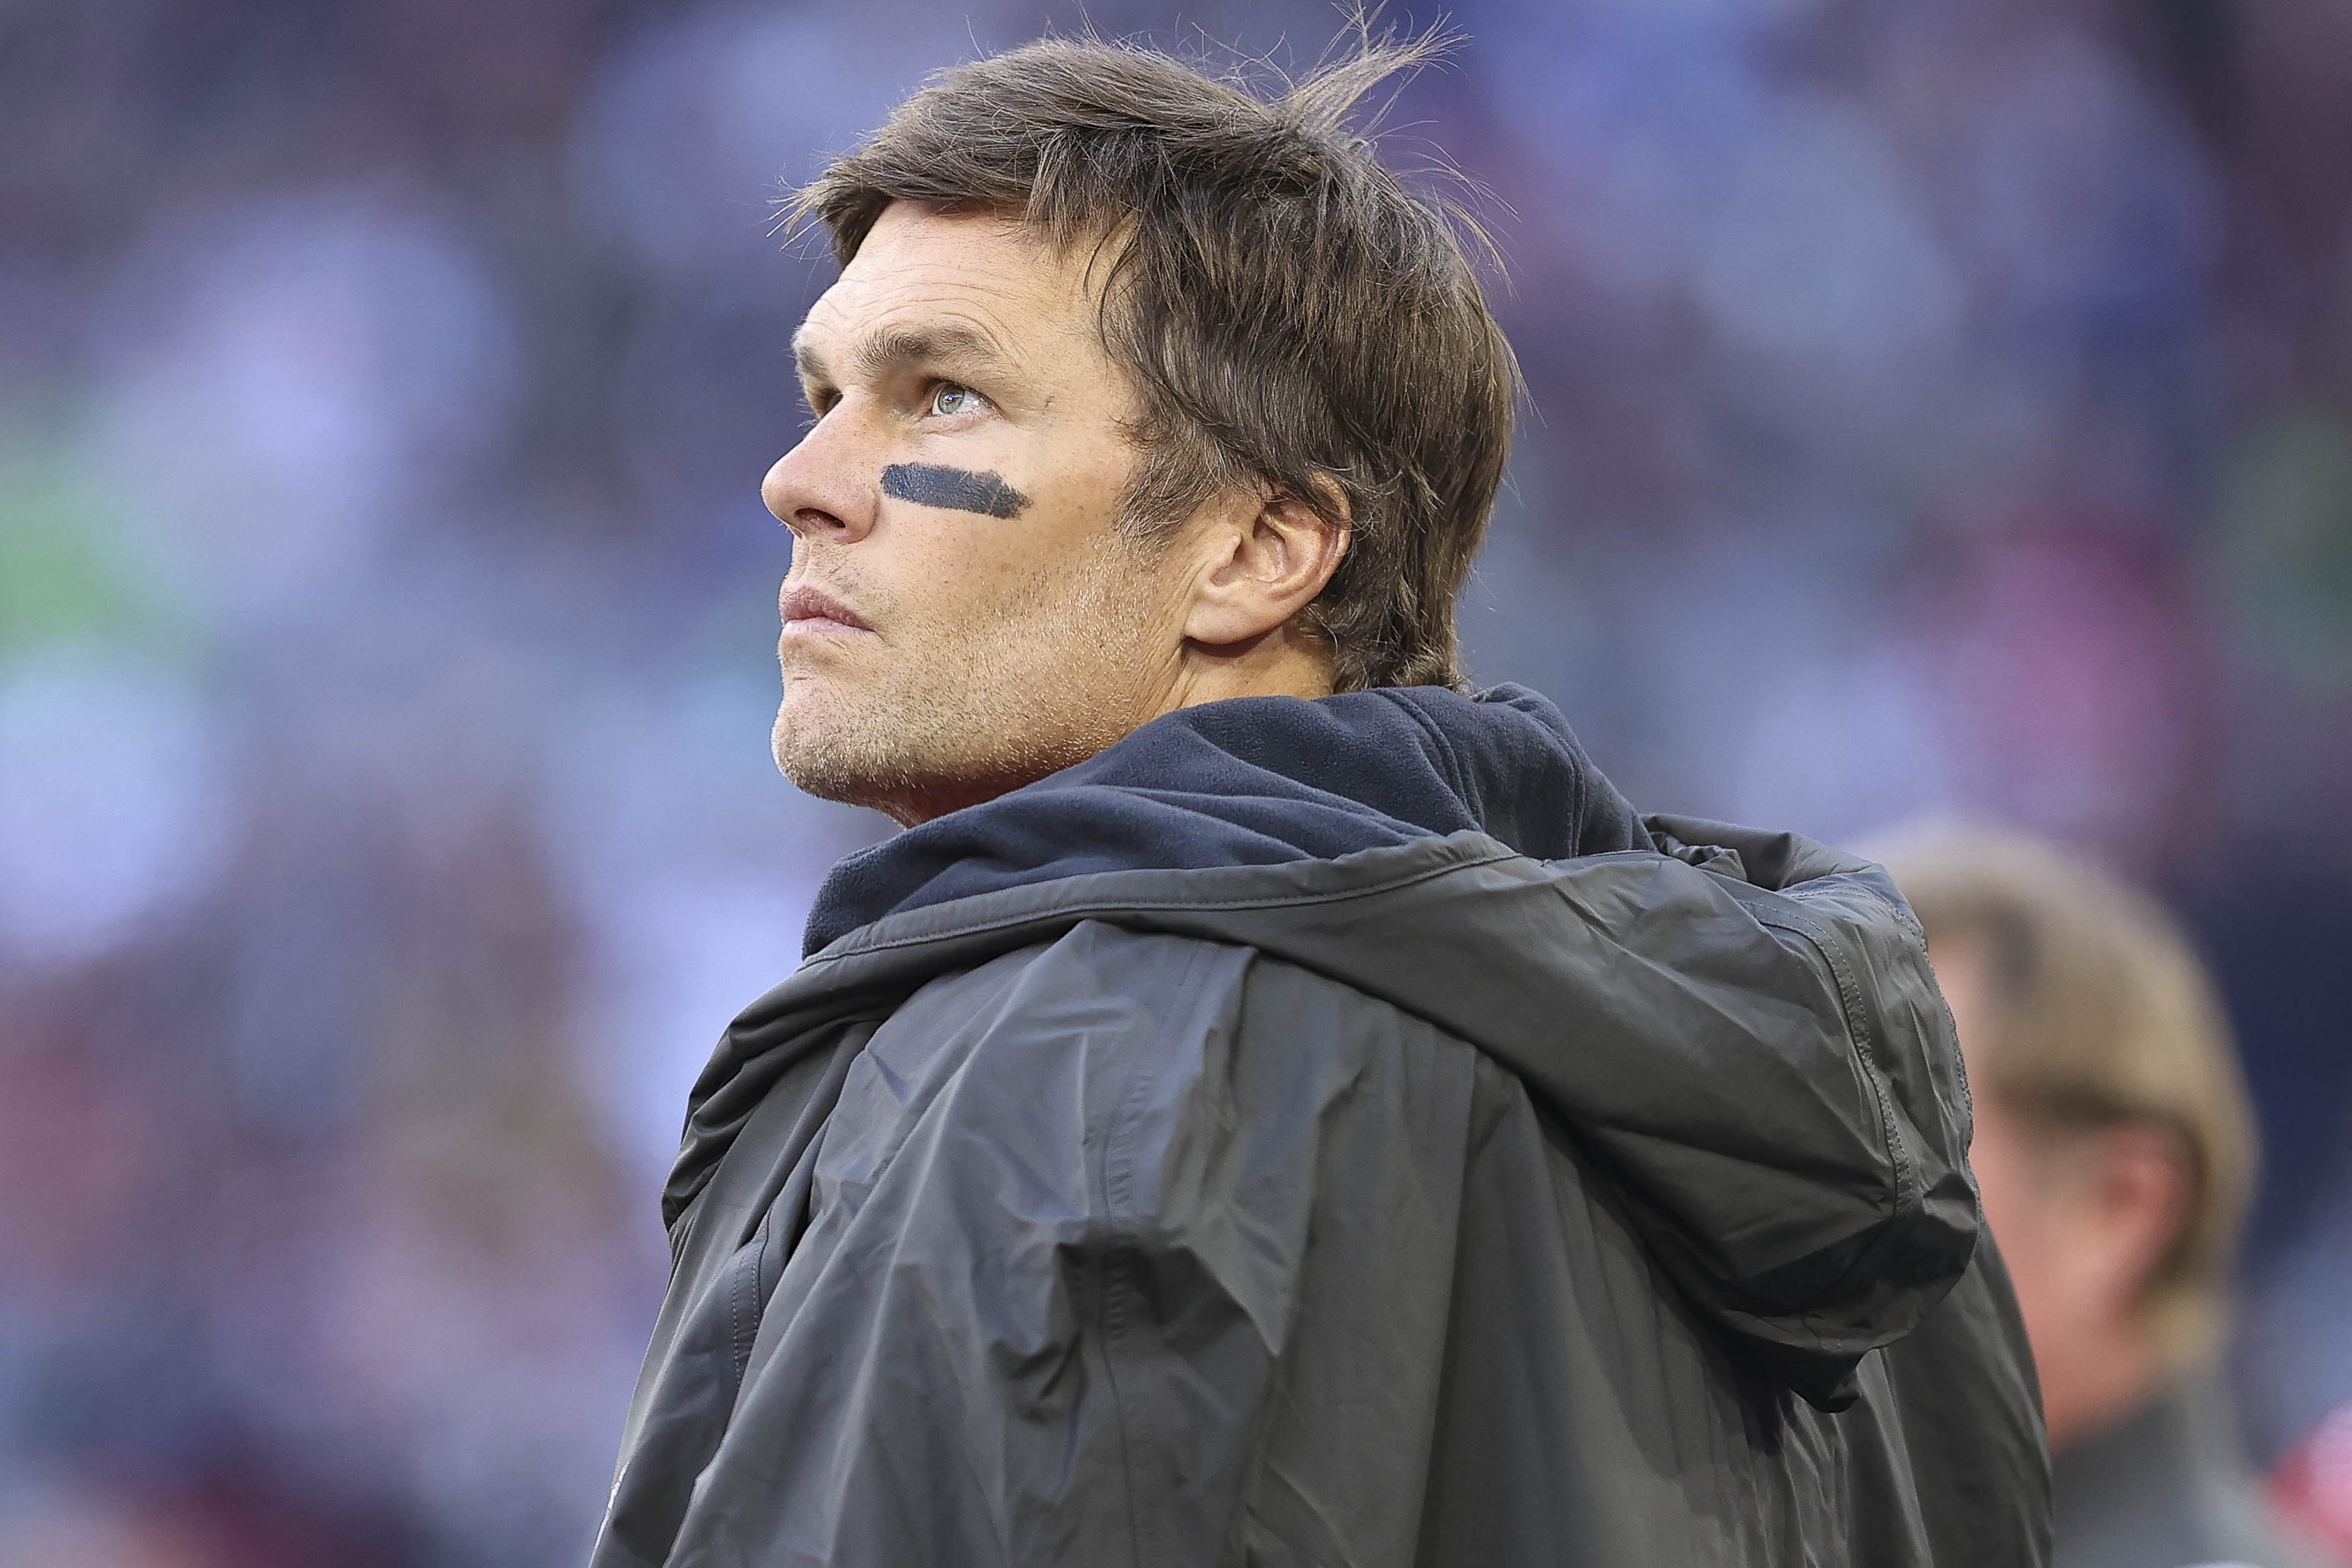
column 911, row 758
column 813, row 753
column 828, row 751
column 881, row 770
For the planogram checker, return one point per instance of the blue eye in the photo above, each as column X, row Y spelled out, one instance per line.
column 949, row 399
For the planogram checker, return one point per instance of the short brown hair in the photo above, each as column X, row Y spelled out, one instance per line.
column 1290, row 314
column 2099, row 1014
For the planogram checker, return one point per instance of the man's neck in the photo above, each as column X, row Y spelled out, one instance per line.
column 2099, row 1383
column 1287, row 662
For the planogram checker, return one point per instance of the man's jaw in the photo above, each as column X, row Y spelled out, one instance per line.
column 843, row 734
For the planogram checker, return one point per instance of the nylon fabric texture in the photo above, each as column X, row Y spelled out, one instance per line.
column 1227, row 1156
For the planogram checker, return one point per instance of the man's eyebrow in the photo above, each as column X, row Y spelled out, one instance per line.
column 808, row 360
column 895, row 348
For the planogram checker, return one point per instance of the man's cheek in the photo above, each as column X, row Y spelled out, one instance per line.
column 838, row 664
column 981, row 492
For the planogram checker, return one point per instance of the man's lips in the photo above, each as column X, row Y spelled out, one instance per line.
column 808, row 609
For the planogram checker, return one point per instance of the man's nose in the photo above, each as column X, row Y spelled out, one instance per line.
column 823, row 488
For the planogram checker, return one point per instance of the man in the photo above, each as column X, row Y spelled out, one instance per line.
column 1270, row 1105
column 2115, row 1150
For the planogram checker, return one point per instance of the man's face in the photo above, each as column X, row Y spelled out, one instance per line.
column 2081, row 1216
column 961, row 615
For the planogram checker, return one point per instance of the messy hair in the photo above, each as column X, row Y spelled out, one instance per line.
column 1292, row 317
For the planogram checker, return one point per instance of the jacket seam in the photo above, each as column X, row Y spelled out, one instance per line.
column 1905, row 1196
column 743, row 1302
column 1118, row 1179
column 1090, row 908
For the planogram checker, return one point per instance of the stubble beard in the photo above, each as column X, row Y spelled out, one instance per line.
column 944, row 726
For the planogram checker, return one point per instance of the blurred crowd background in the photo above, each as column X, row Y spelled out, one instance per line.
column 1936, row 406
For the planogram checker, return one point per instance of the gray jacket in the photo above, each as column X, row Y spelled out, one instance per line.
column 2166, row 1486
column 1429, row 1204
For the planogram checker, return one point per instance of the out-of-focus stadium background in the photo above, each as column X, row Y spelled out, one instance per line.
column 1936, row 405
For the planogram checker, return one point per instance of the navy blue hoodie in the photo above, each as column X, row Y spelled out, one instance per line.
column 1259, row 781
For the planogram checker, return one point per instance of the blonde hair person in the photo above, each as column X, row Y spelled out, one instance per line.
column 2114, row 1150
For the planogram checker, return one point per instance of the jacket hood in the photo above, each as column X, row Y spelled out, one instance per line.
column 1258, row 781
column 1738, row 1030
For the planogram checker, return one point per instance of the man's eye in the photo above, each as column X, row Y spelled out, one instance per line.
column 949, row 399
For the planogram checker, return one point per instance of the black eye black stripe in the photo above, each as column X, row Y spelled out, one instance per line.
column 957, row 489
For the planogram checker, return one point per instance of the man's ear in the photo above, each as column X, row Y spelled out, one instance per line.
column 2138, row 1184
column 1264, row 563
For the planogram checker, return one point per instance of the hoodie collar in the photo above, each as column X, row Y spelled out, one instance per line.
column 1258, row 781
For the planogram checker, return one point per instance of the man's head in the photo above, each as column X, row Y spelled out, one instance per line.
column 2114, row 1145
column 1136, row 391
